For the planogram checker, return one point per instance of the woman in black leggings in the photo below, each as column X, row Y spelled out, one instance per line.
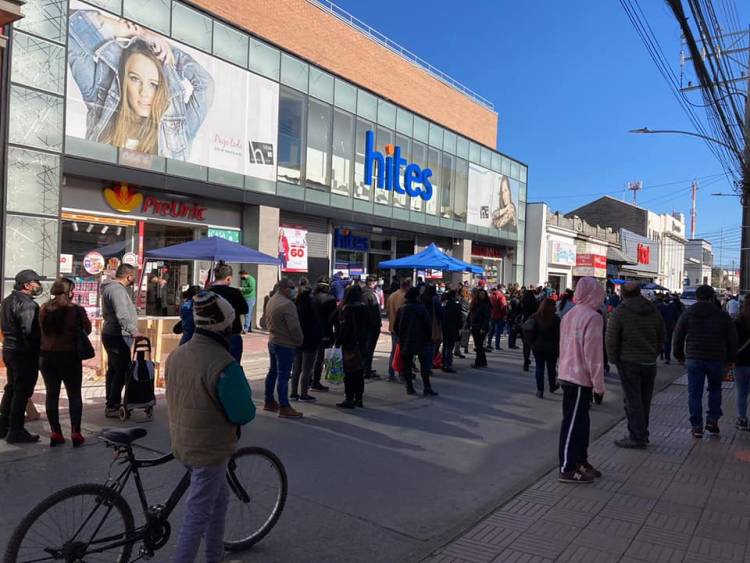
column 479, row 321
column 62, row 321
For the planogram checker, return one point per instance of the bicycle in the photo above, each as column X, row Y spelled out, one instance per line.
column 106, row 522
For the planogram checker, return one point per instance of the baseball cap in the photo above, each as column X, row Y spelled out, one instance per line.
column 26, row 276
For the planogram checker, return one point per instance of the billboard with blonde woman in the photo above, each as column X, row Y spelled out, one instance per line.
column 493, row 199
column 142, row 92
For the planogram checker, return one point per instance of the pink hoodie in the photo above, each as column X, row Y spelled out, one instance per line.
column 581, row 338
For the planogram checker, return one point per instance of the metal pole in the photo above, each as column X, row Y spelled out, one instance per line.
column 693, row 211
column 745, row 239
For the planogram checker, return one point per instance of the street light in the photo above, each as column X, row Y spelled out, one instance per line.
column 647, row 131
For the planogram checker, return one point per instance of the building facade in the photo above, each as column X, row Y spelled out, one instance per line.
column 561, row 249
column 137, row 124
column 699, row 261
column 654, row 243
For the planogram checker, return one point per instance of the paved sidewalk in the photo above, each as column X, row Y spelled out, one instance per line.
column 681, row 500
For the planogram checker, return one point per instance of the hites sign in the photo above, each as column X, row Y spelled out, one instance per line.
column 416, row 180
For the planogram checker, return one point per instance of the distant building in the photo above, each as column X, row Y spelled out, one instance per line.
column 560, row 249
column 699, row 261
column 653, row 243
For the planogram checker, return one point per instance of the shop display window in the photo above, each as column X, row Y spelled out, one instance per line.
column 461, row 190
column 317, row 164
column 351, row 263
column 291, row 140
column 343, row 151
column 361, row 191
column 433, row 163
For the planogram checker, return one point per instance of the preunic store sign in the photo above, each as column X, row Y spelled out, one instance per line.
column 124, row 199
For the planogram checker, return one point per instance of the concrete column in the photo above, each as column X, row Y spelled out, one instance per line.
column 462, row 251
column 260, row 230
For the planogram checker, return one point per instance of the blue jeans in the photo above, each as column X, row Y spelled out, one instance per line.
column 282, row 360
column 741, row 386
column 698, row 372
column 496, row 332
column 205, row 514
column 248, row 325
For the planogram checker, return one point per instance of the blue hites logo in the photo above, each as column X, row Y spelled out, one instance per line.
column 388, row 171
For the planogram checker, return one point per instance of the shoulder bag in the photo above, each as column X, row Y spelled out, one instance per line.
column 84, row 349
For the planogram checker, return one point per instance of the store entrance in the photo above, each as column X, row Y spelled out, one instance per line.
column 556, row 282
column 164, row 280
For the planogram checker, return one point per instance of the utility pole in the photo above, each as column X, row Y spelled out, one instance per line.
column 745, row 238
column 693, row 212
column 635, row 187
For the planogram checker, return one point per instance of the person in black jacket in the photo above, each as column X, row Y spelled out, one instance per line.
column 452, row 323
column 742, row 367
column 414, row 330
column 352, row 334
column 374, row 324
column 670, row 312
column 304, row 359
column 479, row 321
column 222, row 286
column 19, row 321
column 707, row 338
column 324, row 306
column 542, row 331
column 529, row 305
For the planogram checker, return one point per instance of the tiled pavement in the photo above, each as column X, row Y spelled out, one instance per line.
column 681, row 500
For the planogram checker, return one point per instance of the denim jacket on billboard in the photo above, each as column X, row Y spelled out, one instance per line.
column 94, row 61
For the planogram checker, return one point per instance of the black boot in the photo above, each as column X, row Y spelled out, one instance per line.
column 348, row 403
column 410, row 387
column 21, row 436
column 428, row 392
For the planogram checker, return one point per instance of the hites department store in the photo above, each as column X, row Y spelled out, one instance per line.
column 136, row 124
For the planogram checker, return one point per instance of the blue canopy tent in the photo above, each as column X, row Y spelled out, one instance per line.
column 214, row 249
column 431, row 258
column 654, row 286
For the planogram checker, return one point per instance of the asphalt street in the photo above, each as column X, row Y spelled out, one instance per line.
column 388, row 483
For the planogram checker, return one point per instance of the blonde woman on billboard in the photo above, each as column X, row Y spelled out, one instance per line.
column 505, row 215
column 141, row 91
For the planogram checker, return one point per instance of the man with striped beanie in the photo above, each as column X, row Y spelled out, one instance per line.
column 208, row 399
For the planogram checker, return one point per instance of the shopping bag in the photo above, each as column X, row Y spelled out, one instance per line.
column 333, row 365
column 728, row 374
column 437, row 360
column 396, row 364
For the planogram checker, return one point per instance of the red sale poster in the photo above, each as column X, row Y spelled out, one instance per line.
column 293, row 249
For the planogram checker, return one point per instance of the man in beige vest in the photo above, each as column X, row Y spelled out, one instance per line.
column 209, row 399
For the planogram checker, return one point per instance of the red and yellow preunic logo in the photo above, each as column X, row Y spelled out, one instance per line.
column 123, row 199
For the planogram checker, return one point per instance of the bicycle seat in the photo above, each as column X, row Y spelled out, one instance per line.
column 123, row 436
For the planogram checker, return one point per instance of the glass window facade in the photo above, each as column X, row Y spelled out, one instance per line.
column 321, row 85
column 317, row 164
column 361, row 191
column 192, row 27
column 291, row 135
column 294, row 72
column 155, row 14
column 230, row 44
column 343, row 152
column 264, row 59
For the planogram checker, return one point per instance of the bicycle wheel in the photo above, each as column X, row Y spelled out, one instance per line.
column 85, row 523
column 257, row 493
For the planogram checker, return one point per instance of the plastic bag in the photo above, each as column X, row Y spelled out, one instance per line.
column 396, row 365
column 333, row 365
column 437, row 360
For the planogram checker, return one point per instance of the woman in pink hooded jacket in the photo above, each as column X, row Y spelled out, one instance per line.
column 581, row 374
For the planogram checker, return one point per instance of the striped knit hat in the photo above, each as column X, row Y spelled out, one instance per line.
column 212, row 312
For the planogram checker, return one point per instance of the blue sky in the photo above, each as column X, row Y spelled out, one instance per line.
column 568, row 80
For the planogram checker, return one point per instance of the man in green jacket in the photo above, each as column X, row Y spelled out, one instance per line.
column 249, row 292
column 208, row 398
column 635, row 337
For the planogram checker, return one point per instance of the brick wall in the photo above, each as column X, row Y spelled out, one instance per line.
column 312, row 34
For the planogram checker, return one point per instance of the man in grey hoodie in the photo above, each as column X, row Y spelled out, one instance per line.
column 634, row 339
column 119, row 328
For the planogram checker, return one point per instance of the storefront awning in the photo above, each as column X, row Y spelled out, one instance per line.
column 616, row 256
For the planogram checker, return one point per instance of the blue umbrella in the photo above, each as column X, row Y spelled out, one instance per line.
column 214, row 249
column 654, row 286
column 431, row 258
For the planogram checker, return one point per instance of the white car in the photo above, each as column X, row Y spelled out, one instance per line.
column 688, row 296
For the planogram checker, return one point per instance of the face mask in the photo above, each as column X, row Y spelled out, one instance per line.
column 37, row 291
column 293, row 294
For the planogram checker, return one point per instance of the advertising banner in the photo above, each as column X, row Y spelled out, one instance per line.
column 149, row 95
column 590, row 260
column 563, row 253
column 642, row 252
column 293, row 249
column 493, row 199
